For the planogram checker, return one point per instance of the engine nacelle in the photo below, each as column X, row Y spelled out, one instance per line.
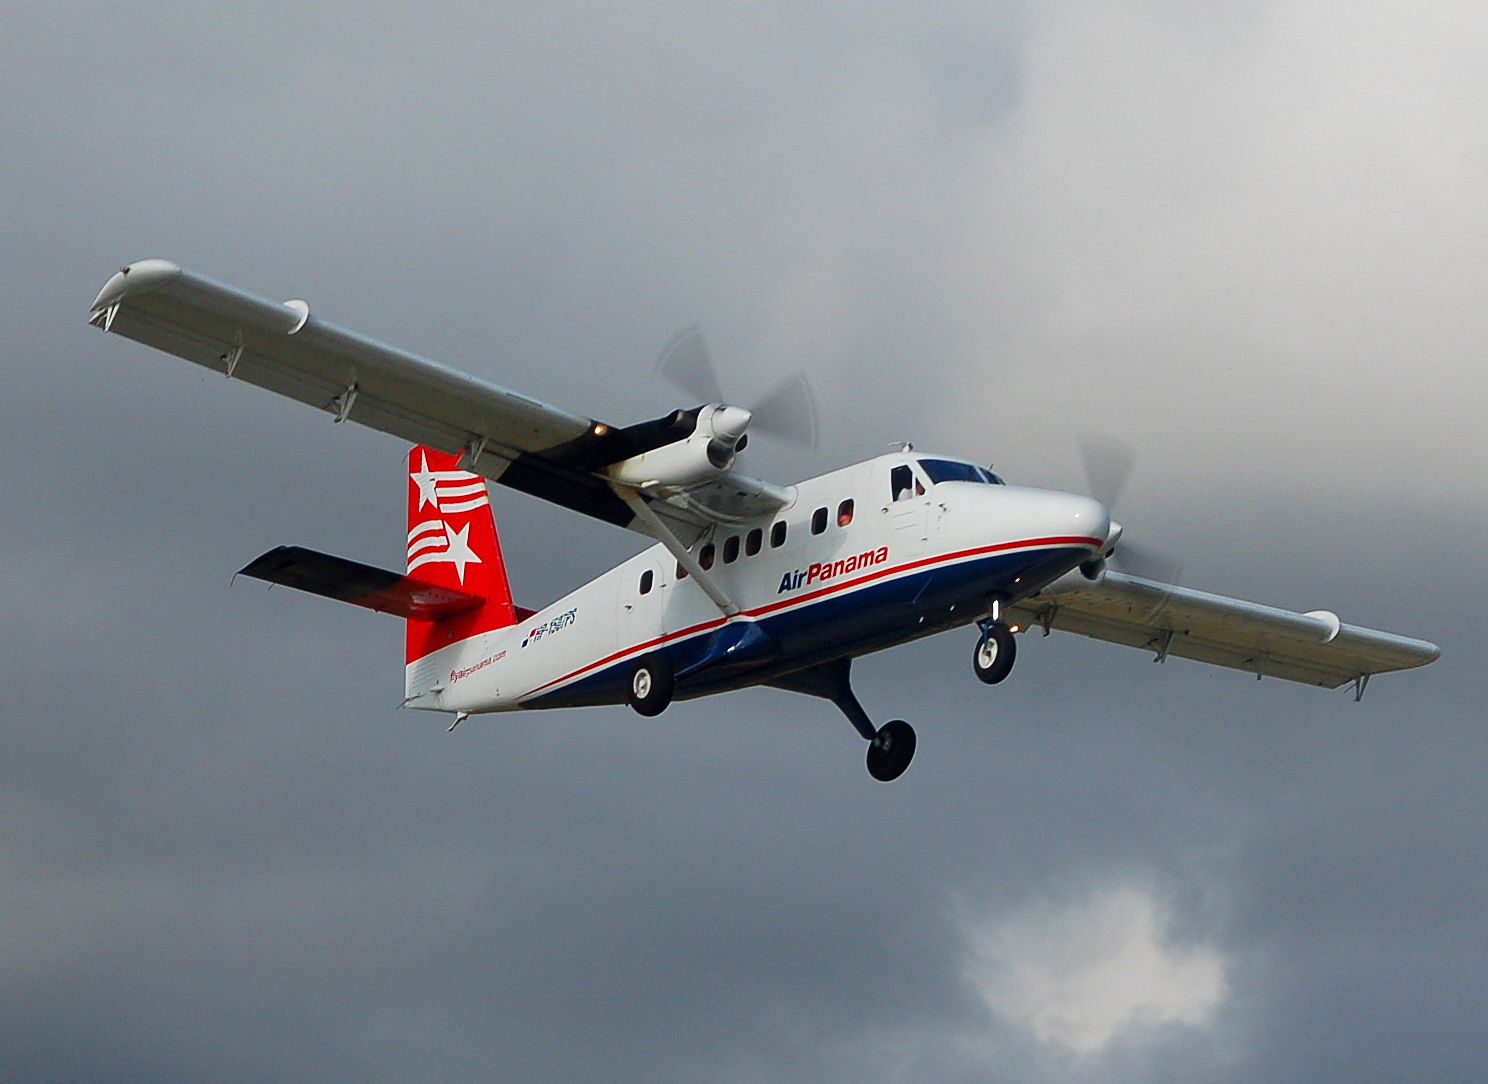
column 1089, row 573
column 707, row 452
column 1084, row 575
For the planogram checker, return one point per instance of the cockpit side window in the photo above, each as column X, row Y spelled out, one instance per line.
column 902, row 482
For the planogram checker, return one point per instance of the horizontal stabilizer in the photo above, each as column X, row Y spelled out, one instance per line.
column 359, row 584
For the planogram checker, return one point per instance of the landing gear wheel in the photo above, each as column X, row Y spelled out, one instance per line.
column 891, row 751
column 995, row 654
column 651, row 685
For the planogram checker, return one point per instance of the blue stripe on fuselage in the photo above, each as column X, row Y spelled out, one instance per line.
column 847, row 623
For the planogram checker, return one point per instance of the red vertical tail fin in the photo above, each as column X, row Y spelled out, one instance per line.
column 452, row 542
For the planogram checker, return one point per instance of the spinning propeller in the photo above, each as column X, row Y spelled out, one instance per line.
column 787, row 412
column 1108, row 466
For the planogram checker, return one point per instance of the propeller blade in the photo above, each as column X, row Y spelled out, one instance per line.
column 788, row 413
column 687, row 364
column 1108, row 465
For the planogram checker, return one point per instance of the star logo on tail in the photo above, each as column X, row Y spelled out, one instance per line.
column 435, row 541
column 459, row 552
column 448, row 490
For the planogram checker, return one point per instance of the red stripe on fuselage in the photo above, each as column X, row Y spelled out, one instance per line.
column 980, row 551
column 761, row 611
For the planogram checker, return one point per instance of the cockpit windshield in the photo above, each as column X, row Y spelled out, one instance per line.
column 949, row 470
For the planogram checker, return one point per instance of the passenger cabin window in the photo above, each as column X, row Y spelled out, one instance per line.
column 819, row 521
column 777, row 535
column 681, row 571
column 647, row 579
column 705, row 558
column 845, row 513
column 752, row 542
column 949, row 470
column 731, row 549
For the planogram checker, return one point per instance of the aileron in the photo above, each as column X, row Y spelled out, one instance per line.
column 505, row 436
column 1314, row 648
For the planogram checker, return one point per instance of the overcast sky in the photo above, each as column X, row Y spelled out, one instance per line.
column 1249, row 238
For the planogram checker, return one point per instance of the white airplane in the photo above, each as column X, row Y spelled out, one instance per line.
column 749, row 583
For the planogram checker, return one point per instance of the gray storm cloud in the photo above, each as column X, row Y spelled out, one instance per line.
column 1247, row 239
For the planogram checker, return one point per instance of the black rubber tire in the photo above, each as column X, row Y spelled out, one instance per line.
column 891, row 751
column 994, row 655
column 651, row 685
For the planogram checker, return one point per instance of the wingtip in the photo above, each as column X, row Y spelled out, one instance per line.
column 136, row 278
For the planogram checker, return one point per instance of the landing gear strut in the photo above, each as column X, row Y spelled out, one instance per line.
column 890, row 747
column 995, row 652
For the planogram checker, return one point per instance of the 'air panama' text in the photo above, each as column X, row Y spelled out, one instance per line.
column 821, row 571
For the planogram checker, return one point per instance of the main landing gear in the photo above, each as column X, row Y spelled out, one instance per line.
column 890, row 747
column 652, row 683
column 891, row 750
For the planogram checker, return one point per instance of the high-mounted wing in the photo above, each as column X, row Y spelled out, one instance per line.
column 505, row 436
column 1315, row 648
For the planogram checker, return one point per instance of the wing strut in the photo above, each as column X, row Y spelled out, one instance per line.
column 659, row 531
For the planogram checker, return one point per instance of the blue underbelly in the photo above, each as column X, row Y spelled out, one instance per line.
column 851, row 622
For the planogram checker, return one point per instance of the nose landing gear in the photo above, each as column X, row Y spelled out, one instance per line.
column 995, row 652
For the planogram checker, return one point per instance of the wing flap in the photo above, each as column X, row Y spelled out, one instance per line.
column 505, row 436
column 728, row 500
column 279, row 347
column 1313, row 648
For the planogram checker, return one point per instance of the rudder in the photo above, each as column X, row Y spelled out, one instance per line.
column 452, row 542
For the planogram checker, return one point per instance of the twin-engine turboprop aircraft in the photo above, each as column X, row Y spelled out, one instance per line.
column 749, row 583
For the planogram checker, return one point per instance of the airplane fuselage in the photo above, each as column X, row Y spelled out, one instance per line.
column 863, row 558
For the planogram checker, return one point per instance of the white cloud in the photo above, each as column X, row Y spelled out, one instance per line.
column 1085, row 974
